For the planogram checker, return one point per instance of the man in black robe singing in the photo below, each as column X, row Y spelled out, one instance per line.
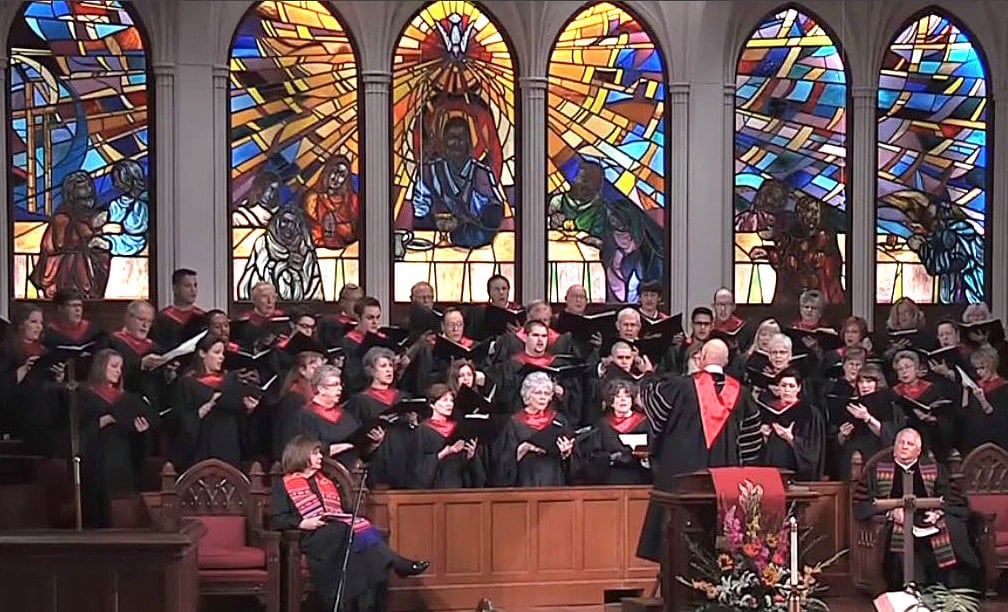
column 701, row 421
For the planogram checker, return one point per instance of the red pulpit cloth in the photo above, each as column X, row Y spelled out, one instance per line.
column 726, row 487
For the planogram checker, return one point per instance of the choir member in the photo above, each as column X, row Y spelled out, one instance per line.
column 453, row 330
column 698, row 422
column 950, row 354
column 310, row 502
column 985, row 418
column 811, row 307
column 511, row 343
column 853, row 334
column 332, row 328
column 869, row 420
column 31, row 408
column 183, row 319
column 70, row 328
column 463, row 373
column 607, row 454
column 928, row 405
column 980, row 328
column 625, row 363
column 946, row 556
column 576, row 303
column 727, row 323
column 650, row 301
column 368, row 312
column 261, row 327
column 296, row 391
column 389, row 461
column 113, row 422
column 209, row 422
column 499, row 294
column 324, row 418
column 778, row 358
column 792, row 429
column 141, row 355
column 535, row 445
column 753, row 360
column 445, row 460
column 701, row 325
column 905, row 330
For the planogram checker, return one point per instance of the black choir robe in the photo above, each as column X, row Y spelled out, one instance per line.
column 680, row 446
column 939, row 437
column 221, row 434
column 456, row 471
column 31, row 408
column 510, row 344
column 601, row 458
column 862, row 440
column 151, row 384
column 978, row 427
column 391, row 462
column 173, row 326
column 507, row 377
column 259, row 332
column 354, row 379
column 329, row 426
column 58, row 333
column 807, row 454
column 332, row 328
column 285, row 414
column 534, row 470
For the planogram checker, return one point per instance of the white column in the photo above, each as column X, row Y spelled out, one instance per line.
column 166, row 236
column 862, row 155
column 677, row 198
column 6, row 290
column 997, row 201
column 377, row 185
column 219, row 279
column 727, row 203
column 531, row 209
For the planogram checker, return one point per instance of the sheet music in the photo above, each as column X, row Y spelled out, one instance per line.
column 966, row 380
column 634, row 440
column 186, row 348
column 923, row 532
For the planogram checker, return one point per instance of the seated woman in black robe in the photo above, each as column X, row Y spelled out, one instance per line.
column 210, row 408
column 294, row 394
column 535, row 445
column 606, row 455
column 444, row 460
column 27, row 394
column 309, row 501
column 985, row 418
column 113, row 423
column 323, row 418
column 793, row 430
column 930, row 407
column 867, row 423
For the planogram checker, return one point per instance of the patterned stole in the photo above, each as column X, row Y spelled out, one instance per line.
column 310, row 505
column 941, row 542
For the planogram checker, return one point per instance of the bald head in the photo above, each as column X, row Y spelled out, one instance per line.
column 714, row 352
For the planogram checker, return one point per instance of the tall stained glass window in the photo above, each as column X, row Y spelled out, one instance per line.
column 453, row 142
column 606, row 157
column 78, row 128
column 931, row 214
column 295, row 153
column 790, row 209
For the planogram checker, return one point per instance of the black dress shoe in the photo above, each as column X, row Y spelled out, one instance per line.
column 405, row 568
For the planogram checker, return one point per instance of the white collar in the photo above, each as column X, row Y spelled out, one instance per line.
column 714, row 368
column 906, row 468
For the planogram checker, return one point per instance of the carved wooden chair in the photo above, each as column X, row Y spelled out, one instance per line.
column 866, row 537
column 984, row 482
column 237, row 556
column 296, row 581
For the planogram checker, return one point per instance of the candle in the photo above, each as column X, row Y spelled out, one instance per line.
column 794, row 550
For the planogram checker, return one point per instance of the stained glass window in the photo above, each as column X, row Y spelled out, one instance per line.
column 453, row 164
column 79, row 151
column 932, row 166
column 295, row 153
column 606, row 157
column 790, row 201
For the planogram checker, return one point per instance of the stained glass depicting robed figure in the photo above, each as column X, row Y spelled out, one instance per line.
column 295, row 213
column 79, row 151
column 790, row 208
column 607, row 163
column 454, row 153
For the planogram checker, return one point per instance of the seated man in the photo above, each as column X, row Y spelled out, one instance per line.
column 942, row 550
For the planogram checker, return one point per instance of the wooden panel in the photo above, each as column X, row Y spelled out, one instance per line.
column 462, row 540
column 829, row 515
column 555, row 547
column 602, row 536
column 509, row 522
column 635, row 510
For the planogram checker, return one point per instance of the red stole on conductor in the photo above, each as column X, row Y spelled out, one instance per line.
column 715, row 409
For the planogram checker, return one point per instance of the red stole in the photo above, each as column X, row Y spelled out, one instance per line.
column 914, row 390
column 32, row 348
column 446, row 428
column 625, row 424
column 385, row 396
column 991, row 384
column 537, row 421
column 75, row 333
column 331, row 415
column 232, row 347
column 715, row 409
column 466, row 342
column 543, row 360
column 108, row 393
column 257, row 319
column 733, row 324
column 354, row 335
column 138, row 346
column 181, row 316
column 802, row 325
column 327, row 502
column 211, row 379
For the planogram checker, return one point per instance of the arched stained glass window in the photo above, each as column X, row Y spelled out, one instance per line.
column 295, row 153
column 931, row 213
column 606, row 157
column 79, row 137
column 790, row 209
column 454, row 141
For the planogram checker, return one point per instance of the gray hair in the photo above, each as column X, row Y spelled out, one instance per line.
column 373, row 355
column 780, row 340
column 911, row 355
column 534, row 382
column 323, row 372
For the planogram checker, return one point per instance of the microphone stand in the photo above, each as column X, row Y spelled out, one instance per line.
column 350, row 539
column 70, row 373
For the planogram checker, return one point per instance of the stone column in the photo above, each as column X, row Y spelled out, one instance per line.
column 726, row 205
column 376, row 138
column 220, row 280
column 6, row 222
column 861, row 150
column 531, row 235
column 677, row 197
column 997, row 202
column 166, row 236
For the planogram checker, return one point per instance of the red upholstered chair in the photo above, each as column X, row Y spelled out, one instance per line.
column 237, row 556
column 866, row 555
column 984, row 482
column 296, row 581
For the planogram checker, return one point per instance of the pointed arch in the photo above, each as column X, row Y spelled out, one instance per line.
column 295, row 149
column 790, row 216
column 606, row 150
column 932, row 208
column 454, row 149
column 80, row 147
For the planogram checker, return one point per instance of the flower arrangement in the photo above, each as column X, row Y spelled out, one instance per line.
column 749, row 568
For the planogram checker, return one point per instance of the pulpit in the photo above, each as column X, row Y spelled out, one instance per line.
column 692, row 511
